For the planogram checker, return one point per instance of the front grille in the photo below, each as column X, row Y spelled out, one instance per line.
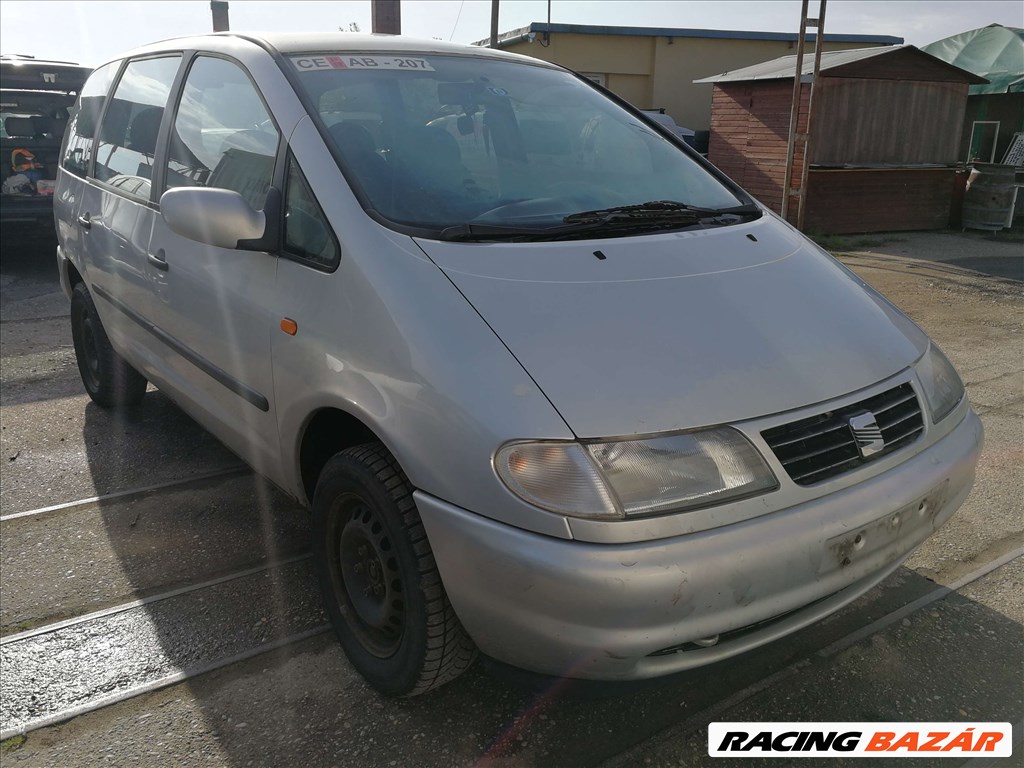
column 822, row 446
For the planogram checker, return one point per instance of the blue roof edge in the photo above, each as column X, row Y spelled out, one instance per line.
column 728, row 34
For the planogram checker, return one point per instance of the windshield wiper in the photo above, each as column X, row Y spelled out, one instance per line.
column 659, row 210
column 499, row 232
column 479, row 232
column 646, row 217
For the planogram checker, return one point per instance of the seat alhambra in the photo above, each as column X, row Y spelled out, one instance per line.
column 554, row 387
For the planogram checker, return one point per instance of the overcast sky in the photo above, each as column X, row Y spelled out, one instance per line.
column 92, row 32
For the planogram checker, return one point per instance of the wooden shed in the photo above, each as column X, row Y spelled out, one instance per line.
column 884, row 136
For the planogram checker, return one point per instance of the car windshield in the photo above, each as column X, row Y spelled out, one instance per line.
column 437, row 141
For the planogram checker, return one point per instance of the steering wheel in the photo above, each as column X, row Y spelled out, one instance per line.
column 568, row 198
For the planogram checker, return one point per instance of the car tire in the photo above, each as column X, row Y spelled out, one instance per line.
column 110, row 381
column 382, row 590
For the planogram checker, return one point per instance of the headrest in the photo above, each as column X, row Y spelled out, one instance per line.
column 252, row 140
column 20, row 127
column 352, row 138
column 142, row 133
column 44, row 125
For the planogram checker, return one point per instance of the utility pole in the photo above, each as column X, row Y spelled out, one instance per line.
column 494, row 23
column 219, row 11
column 386, row 17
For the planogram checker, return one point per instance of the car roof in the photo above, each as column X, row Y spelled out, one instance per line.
column 290, row 43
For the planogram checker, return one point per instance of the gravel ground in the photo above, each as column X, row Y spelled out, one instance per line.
column 106, row 656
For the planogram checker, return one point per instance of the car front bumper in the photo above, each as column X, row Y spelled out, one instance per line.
column 620, row 611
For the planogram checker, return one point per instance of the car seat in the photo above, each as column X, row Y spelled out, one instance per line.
column 246, row 165
column 143, row 131
column 141, row 137
column 359, row 152
column 428, row 159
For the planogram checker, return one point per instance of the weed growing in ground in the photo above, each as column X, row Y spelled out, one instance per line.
column 11, row 744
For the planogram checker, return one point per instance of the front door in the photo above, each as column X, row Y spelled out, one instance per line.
column 214, row 307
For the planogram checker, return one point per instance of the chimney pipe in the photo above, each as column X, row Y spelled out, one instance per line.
column 386, row 17
column 219, row 10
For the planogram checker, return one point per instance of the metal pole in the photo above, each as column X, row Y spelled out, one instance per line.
column 386, row 17
column 819, row 41
column 494, row 23
column 219, row 11
column 794, row 111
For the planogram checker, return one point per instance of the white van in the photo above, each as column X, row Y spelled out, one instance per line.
column 554, row 387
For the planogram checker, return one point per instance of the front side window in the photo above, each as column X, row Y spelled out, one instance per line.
column 307, row 235
column 81, row 129
column 222, row 135
column 439, row 141
column 128, row 135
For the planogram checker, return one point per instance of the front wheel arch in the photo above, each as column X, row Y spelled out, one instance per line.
column 382, row 588
column 327, row 432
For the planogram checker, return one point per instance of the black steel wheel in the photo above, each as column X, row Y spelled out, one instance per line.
column 381, row 588
column 110, row 381
column 367, row 569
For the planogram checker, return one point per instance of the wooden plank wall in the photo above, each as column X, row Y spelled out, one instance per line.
column 749, row 131
column 878, row 200
column 856, row 121
column 900, row 122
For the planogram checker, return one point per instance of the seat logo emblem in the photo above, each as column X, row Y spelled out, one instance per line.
column 866, row 433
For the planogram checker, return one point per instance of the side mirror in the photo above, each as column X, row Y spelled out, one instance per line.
column 221, row 217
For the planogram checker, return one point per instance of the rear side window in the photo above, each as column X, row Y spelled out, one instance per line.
column 222, row 135
column 128, row 135
column 81, row 130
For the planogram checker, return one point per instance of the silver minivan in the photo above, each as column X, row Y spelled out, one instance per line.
column 554, row 387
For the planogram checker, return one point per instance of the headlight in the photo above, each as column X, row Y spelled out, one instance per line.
column 942, row 385
column 636, row 477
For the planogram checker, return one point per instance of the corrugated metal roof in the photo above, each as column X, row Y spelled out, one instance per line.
column 518, row 35
column 783, row 67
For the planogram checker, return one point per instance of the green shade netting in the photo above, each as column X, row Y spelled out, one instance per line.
column 994, row 52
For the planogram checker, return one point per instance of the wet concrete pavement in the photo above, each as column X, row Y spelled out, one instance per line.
column 957, row 658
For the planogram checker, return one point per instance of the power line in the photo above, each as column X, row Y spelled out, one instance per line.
column 457, row 17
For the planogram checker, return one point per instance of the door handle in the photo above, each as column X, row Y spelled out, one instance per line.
column 158, row 260
column 84, row 221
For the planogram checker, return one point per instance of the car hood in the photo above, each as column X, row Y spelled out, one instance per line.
column 664, row 332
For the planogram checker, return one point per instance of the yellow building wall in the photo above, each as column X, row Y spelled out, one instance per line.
column 626, row 55
column 654, row 72
column 636, row 89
